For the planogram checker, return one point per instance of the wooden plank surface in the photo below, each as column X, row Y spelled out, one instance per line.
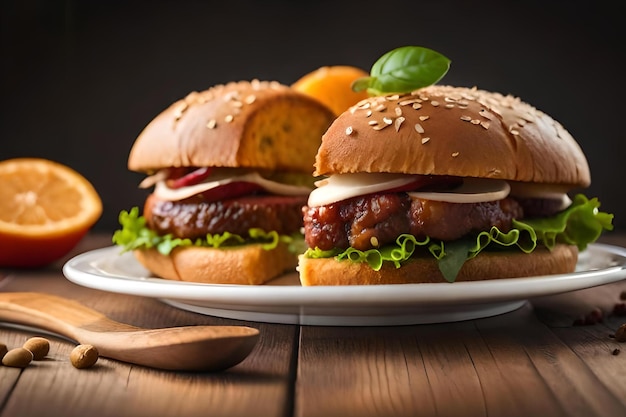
column 260, row 385
column 531, row 362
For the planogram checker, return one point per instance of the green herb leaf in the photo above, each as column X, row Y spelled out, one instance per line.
column 403, row 70
column 453, row 258
column 135, row 235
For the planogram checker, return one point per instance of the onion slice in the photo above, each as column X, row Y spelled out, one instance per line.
column 340, row 187
column 163, row 192
column 473, row 190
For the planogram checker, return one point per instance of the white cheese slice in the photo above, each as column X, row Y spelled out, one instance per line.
column 547, row 191
column 163, row 192
column 343, row 186
column 473, row 190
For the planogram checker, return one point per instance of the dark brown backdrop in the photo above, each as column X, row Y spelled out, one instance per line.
column 81, row 78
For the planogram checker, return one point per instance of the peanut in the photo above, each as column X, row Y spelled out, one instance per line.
column 39, row 347
column 84, row 356
column 17, row 358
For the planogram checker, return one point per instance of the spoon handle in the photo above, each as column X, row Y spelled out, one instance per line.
column 59, row 315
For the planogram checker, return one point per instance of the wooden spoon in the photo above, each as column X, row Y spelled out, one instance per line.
column 188, row 348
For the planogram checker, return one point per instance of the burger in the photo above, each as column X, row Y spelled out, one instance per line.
column 446, row 184
column 229, row 170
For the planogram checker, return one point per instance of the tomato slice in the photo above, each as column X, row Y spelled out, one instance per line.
column 194, row 177
column 230, row 190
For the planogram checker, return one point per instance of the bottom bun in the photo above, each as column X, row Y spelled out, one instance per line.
column 488, row 265
column 244, row 265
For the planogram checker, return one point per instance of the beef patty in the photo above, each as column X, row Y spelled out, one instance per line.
column 194, row 217
column 373, row 220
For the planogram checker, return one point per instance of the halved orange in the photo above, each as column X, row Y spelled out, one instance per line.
column 45, row 210
column 332, row 85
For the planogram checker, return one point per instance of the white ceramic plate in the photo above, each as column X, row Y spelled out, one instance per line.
column 285, row 301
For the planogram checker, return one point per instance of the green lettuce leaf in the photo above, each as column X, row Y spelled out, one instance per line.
column 580, row 224
column 135, row 235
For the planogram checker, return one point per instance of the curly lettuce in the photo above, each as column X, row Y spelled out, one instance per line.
column 580, row 224
column 135, row 235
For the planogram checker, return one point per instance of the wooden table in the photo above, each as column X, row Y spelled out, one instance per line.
column 530, row 362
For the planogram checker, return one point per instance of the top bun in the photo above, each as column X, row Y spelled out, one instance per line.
column 257, row 124
column 444, row 130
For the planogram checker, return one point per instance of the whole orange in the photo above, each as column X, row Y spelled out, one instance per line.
column 332, row 85
column 45, row 210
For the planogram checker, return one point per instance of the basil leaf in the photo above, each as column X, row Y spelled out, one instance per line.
column 456, row 253
column 402, row 70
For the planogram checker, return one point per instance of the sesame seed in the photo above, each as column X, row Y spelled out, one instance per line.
column 398, row 111
column 349, row 130
column 250, row 99
column 399, row 122
column 423, row 118
column 387, row 120
column 515, row 132
column 212, row 124
column 368, row 113
column 466, row 118
column 372, row 122
column 485, row 114
column 419, row 128
column 229, row 118
column 180, row 109
column 374, row 241
column 381, row 108
column 455, row 154
column 409, row 101
column 417, row 106
column 237, row 104
column 435, row 103
column 393, row 97
column 424, row 140
column 485, row 125
column 380, row 127
column 449, row 106
column 475, row 121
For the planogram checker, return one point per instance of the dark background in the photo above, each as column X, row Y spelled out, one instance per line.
column 80, row 79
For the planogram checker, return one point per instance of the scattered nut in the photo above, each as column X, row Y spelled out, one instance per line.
column 84, row 356
column 3, row 350
column 39, row 346
column 17, row 358
column 619, row 309
column 620, row 333
column 595, row 316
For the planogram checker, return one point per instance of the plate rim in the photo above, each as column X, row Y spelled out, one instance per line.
column 379, row 295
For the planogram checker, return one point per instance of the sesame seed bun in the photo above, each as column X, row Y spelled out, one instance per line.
column 248, row 124
column 239, row 124
column 450, row 131
column 444, row 130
